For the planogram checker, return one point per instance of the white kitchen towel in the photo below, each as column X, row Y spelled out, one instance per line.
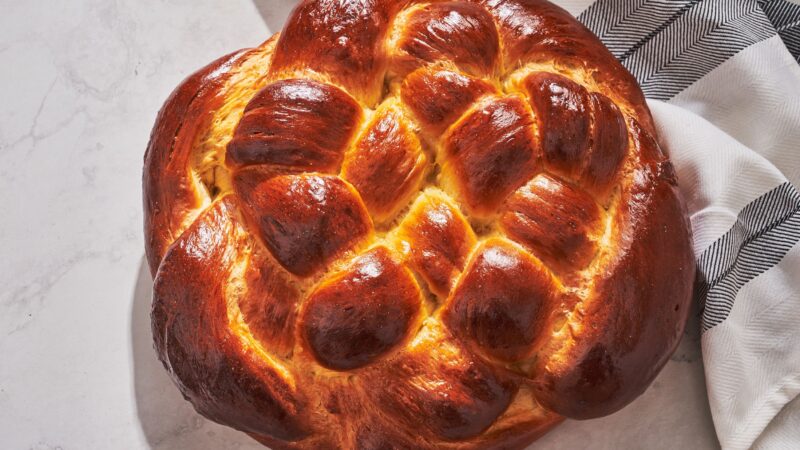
column 723, row 81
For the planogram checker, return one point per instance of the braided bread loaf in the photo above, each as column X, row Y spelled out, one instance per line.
column 413, row 225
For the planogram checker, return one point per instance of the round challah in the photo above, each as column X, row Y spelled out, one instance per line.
column 399, row 224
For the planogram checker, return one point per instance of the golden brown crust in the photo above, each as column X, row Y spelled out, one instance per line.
column 458, row 396
column 168, row 192
column 342, row 40
column 439, row 96
column 295, row 123
column 438, row 240
column 535, row 31
column 461, row 32
column 642, row 295
column 510, row 166
column 502, row 302
column 608, row 145
column 489, row 153
column 387, row 164
column 304, row 220
column 269, row 305
column 562, row 110
column 557, row 222
column 355, row 316
column 224, row 379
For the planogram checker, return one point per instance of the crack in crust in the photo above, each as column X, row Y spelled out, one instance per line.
column 413, row 225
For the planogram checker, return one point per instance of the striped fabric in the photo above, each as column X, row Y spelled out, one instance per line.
column 785, row 17
column 727, row 77
column 764, row 232
column 670, row 44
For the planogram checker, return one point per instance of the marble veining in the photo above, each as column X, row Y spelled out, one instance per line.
column 81, row 83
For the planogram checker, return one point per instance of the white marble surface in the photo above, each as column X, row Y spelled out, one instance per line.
column 80, row 84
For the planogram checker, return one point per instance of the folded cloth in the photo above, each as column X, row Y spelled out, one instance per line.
column 723, row 81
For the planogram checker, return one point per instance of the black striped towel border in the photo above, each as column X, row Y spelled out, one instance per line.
column 670, row 44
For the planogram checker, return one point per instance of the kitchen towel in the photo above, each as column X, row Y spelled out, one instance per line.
column 723, row 82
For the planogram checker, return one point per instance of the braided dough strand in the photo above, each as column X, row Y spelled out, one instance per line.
column 406, row 224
